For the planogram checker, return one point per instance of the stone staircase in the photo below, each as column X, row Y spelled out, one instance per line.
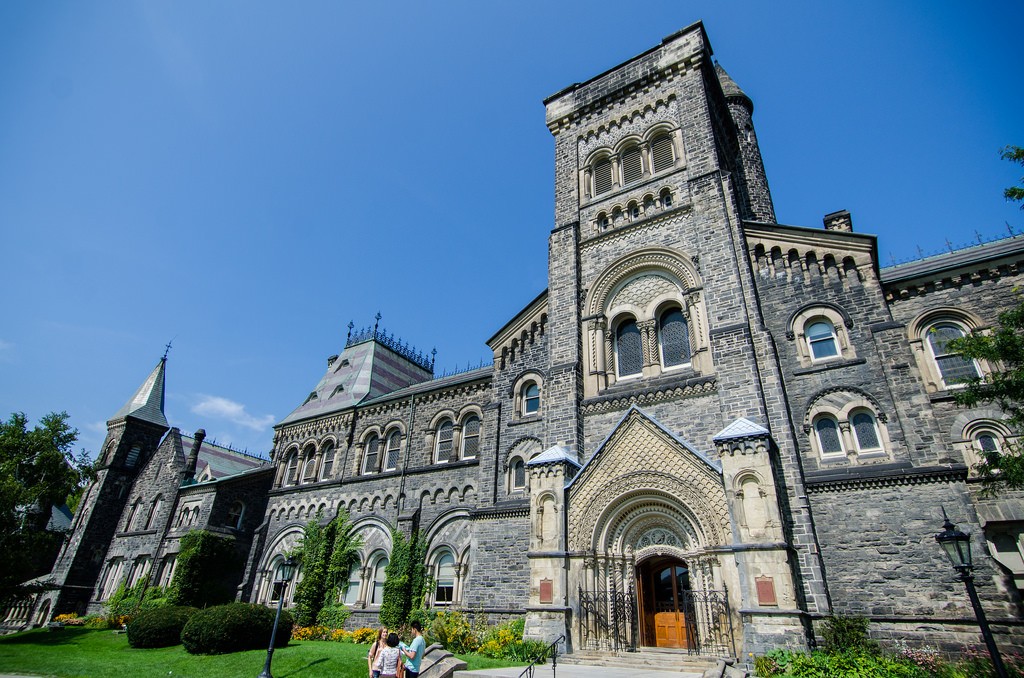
column 646, row 658
column 438, row 662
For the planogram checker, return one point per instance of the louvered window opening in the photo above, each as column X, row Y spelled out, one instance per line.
column 632, row 166
column 372, row 451
column 866, row 431
column 629, row 349
column 293, row 469
column 675, row 339
column 828, row 436
column 471, row 438
column 822, row 341
column 133, row 456
column 602, row 177
column 955, row 369
column 444, row 441
column 309, row 471
column 662, row 157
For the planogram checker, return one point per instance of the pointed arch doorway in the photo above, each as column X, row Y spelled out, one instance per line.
column 666, row 606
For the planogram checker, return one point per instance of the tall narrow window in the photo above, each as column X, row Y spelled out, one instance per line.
column 821, row 340
column 391, row 453
column 602, row 177
column 954, row 368
column 153, row 512
column 128, row 524
column 235, row 513
column 443, row 447
column 352, row 593
column 518, row 474
column 662, row 156
column 377, row 596
column 531, row 398
column 371, row 454
column 628, row 349
column 865, row 430
column 444, row 592
column 471, row 437
column 133, row 456
column 309, row 470
column 293, row 468
column 327, row 467
column 829, row 442
column 632, row 166
column 674, row 336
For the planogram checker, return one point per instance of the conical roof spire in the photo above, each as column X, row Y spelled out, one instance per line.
column 730, row 88
column 148, row 402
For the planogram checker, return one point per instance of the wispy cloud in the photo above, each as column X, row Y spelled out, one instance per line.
column 222, row 408
column 98, row 427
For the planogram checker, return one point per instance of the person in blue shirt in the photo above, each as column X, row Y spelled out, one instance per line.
column 414, row 651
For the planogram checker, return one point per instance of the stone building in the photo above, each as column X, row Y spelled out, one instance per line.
column 711, row 431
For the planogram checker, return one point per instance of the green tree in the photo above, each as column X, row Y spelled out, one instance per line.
column 1014, row 154
column 38, row 470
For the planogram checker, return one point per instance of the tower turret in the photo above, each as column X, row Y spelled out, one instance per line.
column 756, row 199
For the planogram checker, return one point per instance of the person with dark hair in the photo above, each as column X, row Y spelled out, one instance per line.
column 414, row 651
column 390, row 664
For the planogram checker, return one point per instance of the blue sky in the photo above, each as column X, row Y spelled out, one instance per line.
column 246, row 178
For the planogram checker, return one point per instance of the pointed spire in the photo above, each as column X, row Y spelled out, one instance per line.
column 148, row 402
column 731, row 89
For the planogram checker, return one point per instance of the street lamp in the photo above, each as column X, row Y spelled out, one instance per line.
column 286, row 570
column 957, row 547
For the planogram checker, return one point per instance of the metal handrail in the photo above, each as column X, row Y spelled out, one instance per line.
column 553, row 648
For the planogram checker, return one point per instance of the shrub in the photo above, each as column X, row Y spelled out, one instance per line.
column 364, row 635
column 453, row 630
column 159, row 627
column 847, row 634
column 333, row 616
column 207, row 571
column 505, row 641
column 321, row 633
column 234, row 627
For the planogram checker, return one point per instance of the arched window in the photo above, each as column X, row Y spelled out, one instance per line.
column 821, row 340
column 602, row 176
column 371, row 454
column 377, row 595
column 309, row 470
column 830, row 443
column 129, row 524
column 632, row 165
column 328, row 464
column 293, row 468
column 674, row 338
column 518, row 474
column 153, row 511
column 629, row 356
column 865, row 431
column 444, row 575
column 531, row 398
column 987, row 443
column 471, row 437
column 235, row 515
column 352, row 593
column 443, row 444
column 954, row 369
column 391, row 450
column 662, row 153
column 666, row 198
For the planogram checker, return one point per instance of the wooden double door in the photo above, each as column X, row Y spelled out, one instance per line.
column 666, row 613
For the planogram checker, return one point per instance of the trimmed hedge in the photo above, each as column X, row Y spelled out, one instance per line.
column 159, row 627
column 233, row 628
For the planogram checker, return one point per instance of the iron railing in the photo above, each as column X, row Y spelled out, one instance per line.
column 551, row 649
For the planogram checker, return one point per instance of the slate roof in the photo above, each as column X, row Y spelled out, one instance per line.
column 729, row 86
column 364, row 371
column 952, row 260
column 222, row 461
column 556, row 454
column 148, row 402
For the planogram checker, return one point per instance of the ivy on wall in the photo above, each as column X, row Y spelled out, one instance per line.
column 326, row 552
column 207, row 570
column 406, row 581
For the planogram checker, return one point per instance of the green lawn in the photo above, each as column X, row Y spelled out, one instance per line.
column 81, row 653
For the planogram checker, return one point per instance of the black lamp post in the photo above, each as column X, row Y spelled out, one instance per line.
column 286, row 570
column 957, row 546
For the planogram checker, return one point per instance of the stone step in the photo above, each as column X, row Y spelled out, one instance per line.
column 649, row 658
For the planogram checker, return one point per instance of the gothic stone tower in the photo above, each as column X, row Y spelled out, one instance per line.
column 133, row 433
column 661, row 380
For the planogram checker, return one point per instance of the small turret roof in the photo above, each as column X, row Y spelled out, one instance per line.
column 730, row 88
column 148, row 402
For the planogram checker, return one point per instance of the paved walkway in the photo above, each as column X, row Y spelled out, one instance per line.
column 572, row 671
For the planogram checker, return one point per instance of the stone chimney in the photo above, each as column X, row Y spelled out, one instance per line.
column 839, row 221
column 189, row 476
